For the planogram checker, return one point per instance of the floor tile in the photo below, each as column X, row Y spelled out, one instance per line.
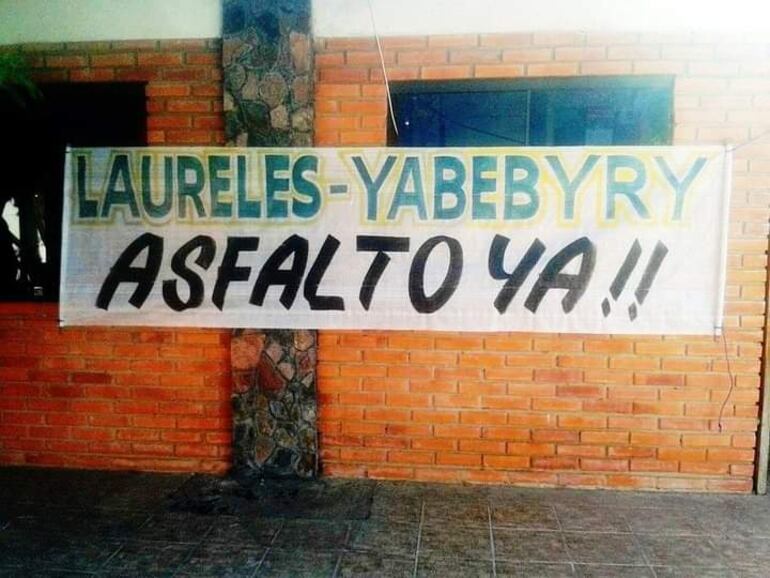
column 296, row 564
column 533, row 570
column 146, row 559
column 739, row 550
column 456, row 541
column 385, row 537
column 748, row 572
column 37, row 572
column 591, row 517
column 613, row 571
column 458, row 511
column 85, row 525
column 530, row 546
column 374, row 565
column 19, row 548
column 694, row 572
column 397, row 509
column 745, row 519
column 243, row 530
column 663, row 521
column 78, row 523
column 141, row 491
column 666, row 550
column 173, row 527
column 222, row 561
column 430, row 567
column 603, row 548
column 76, row 555
column 312, row 535
column 524, row 515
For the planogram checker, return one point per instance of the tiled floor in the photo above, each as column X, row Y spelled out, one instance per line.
column 76, row 523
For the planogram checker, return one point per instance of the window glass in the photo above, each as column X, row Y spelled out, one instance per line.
column 35, row 136
column 562, row 112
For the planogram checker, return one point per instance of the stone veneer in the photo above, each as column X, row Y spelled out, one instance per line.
column 274, row 408
column 268, row 71
column 267, row 59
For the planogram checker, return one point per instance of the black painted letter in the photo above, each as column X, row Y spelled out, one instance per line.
column 271, row 273
column 316, row 275
column 229, row 271
column 553, row 278
column 514, row 280
column 207, row 248
column 381, row 260
column 123, row 272
column 421, row 302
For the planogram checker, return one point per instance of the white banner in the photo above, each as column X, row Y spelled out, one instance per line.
column 583, row 239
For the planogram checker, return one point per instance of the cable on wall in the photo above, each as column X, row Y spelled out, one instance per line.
column 731, row 377
column 384, row 71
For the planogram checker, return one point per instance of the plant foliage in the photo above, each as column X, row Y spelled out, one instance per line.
column 15, row 80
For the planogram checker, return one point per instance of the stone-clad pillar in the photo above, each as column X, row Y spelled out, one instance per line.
column 268, row 101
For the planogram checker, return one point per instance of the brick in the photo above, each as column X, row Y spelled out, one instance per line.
column 453, row 41
column 456, row 459
column 498, row 70
column 504, row 40
column 604, row 68
column 608, row 346
column 582, row 422
column 507, row 433
column 457, row 431
column 603, row 465
column 66, row 61
column 160, row 58
column 530, row 449
column 447, row 72
column 165, row 422
column 506, row 462
column 411, row 457
column 113, row 59
column 552, row 69
column 423, row 57
column 474, row 56
column 555, row 463
column 682, row 454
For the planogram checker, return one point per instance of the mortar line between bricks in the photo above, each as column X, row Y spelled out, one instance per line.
column 419, row 539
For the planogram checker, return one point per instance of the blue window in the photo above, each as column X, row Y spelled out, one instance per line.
column 542, row 112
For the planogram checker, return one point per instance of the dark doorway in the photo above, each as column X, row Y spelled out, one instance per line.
column 35, row 137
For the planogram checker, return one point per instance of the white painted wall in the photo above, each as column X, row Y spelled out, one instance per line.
column 75, row 20
column 404, row 17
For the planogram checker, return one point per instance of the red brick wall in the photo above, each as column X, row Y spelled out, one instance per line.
column 567, row 410
column 129, row 398
column 539, row 409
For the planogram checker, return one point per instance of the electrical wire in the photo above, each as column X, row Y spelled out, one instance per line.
column 384, row 71
column 749, row 141
column 732, row 381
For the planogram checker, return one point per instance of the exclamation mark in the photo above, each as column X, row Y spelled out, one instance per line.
column 653, row 266
column 619, row 283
